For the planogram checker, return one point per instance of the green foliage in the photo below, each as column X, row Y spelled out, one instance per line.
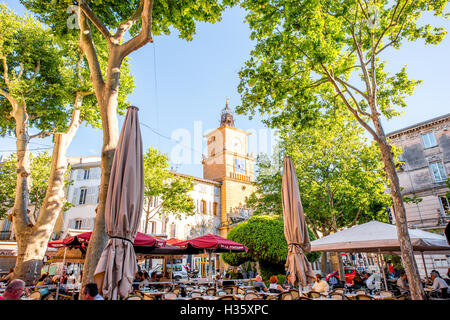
column 173, row 190
column 339, row 174
column 264, row 237
column 31, row 72
column 40, row 173
column 168, row 15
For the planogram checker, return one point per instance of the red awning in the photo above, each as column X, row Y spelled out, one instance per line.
column 82, row 239
column 212, row 242
column 171, row 241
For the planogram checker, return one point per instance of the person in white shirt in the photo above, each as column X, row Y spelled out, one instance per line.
column 90, row 292
column 439, row 284
column 320, row 285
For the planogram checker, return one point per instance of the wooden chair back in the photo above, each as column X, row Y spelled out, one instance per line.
column 313, row 294
column 134, row 297
column 252, row 296
column 36, row 295
column 227, row 297
column 170, row 296
column 363, row 297
column 286, row 296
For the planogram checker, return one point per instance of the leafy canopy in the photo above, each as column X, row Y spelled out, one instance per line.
column 173, row 190
column 310, row 53
column 31, row 72
column 264, row 237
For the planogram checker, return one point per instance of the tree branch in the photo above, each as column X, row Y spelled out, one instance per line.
column 8, row 96
column 88, row 48
column 144, row 36
column 346, row 84
column 42, row 134
column 5, row 71
column 124, row 27
column 95, row 20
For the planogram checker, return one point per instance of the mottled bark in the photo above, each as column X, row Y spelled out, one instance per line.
column 107, row 94
column 32, row 238
column 407, row 253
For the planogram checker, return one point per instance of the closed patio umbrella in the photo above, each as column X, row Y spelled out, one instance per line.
column 117, row 265
column 295, row 229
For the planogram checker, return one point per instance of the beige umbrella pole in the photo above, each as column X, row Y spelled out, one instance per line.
column 424, row 265
column 59, row 283
column 381, row 266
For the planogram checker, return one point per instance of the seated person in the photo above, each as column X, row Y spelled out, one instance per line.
column 8, row 277
column 274, row 287
column 14, row 290
column 369, row 280
column 227, row 280
column 402, row 282
column 137, row 280
column 320, row 285
column 90, row 292
column 439, row 287
column 259, row 284
column 287, row 285
column 154, row 277
column 357, row 282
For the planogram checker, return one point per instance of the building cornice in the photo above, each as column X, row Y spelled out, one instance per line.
column 419, row 126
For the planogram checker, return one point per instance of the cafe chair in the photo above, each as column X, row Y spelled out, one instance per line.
column 401, row 297
column 294, row 293
column 286, row 296
column 303, row 298
column 148, row 297
column 196, row 298
column 228, row 289
column 361, row 292
column 36, row 295
column 170, row 296
column 196, row 294
column 363, row 297
column 252, row 296
column 240, row 290
column 273, row 297
column 313, row 294
column 386, row 294
column 337, row 296
column 211, row 291
column 341, row 291
column 228, row 297
column 134, row 297
column 176, row 290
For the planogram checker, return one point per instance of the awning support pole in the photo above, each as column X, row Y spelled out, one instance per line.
column 424, row 265
column 382, row 269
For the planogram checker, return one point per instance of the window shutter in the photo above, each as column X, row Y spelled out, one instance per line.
column 71, row 224
column 76, row 196
column 80, row 174
column 91, row 196
column 95, row 173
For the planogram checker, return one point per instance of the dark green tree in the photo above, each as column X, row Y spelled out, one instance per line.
column 311, row 53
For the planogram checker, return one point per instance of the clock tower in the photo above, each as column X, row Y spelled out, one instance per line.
column 229, row 162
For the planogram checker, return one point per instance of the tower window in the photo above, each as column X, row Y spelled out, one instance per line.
column 429, row 140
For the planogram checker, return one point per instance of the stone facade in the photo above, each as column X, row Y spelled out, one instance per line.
column 425, row 151
column 426, row 156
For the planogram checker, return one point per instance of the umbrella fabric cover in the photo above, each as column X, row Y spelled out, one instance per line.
column 295, row 229
column 141, row 240
column 212, row 242
column 117, row 265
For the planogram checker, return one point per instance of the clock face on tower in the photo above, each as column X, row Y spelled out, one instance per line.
column 236, row 145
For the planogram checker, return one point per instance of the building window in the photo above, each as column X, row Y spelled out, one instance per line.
column 429, row 140
column 437, row 169
column 445, row 204
column 215, row 208
column 77, row 224
column 83, row 192
column 173, row 230
column 86, row 174
column 203, row 207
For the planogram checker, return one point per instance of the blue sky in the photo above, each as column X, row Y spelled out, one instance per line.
column 194, row 78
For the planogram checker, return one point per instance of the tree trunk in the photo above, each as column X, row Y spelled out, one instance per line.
column 32, row 239
column 108, row 112
column 409, row 262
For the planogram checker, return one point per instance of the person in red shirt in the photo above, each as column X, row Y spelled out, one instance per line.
column 14, row 290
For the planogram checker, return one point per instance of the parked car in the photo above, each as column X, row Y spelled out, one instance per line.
column 349, row 274
column 179, row 270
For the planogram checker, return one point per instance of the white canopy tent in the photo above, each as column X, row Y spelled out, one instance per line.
column 375, row 236
column 379, row 237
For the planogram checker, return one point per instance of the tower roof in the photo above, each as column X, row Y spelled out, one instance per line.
column 226, row 116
